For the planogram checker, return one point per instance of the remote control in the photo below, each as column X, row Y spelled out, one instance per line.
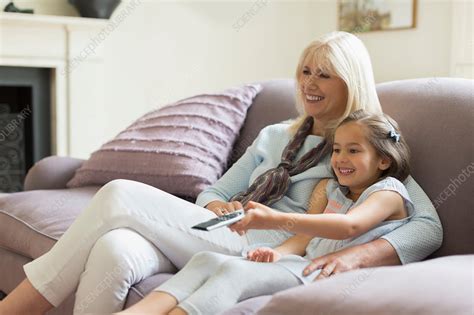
column 226, row 219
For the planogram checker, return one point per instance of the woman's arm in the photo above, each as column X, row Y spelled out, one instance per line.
column 423, row 234
column 373, row 254
column 237, row 178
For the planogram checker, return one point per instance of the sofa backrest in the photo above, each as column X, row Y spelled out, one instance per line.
column 437, row 118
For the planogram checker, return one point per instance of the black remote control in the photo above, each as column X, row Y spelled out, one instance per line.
column 221, row 221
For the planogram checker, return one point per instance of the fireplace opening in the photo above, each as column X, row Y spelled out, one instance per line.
column 25, row 123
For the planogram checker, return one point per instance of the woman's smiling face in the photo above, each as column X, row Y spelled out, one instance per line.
column 324, row 95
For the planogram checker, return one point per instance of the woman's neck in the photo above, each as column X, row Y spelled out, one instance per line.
column 319, row 128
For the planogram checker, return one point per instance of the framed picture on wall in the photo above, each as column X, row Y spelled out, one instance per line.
column 357, row 16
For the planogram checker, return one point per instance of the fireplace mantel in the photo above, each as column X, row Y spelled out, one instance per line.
column 30, row 19
column 71, row 47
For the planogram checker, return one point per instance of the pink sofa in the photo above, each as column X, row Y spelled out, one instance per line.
column 437, row 117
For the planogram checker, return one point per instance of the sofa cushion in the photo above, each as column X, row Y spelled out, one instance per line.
column 438, row 286
column 32, row 221
column 181, row 148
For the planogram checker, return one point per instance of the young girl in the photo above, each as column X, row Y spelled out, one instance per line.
column 370, row 159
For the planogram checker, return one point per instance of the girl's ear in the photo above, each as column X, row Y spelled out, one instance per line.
column 384, row 163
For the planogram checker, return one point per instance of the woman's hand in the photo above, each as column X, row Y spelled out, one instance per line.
column 334, row 263
column 257, row 216
column 376, row 253
column 221, row 207
column 264, row 254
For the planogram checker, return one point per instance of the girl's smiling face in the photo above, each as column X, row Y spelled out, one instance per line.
column 354, row 160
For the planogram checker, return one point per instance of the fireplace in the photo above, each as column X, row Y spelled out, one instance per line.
column 25, row 122
column 66, row 55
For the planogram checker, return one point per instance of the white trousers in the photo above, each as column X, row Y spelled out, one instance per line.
column 210, row 282
column 128, row 232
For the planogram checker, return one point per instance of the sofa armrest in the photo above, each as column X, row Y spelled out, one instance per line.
column 52, row 172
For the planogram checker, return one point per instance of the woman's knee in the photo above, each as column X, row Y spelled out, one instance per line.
column 118, row 260
column 108, row 274
column 114, row 188
column 107, row 200
column 111, row 253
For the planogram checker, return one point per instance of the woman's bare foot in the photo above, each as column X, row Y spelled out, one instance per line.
column 24, row 299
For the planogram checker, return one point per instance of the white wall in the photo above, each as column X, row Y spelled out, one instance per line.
column 189, row 47
column 413, row 53
column 165, row 50
column 185, row 48
column 462, row 53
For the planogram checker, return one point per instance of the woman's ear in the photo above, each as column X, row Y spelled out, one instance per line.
column 384, row 163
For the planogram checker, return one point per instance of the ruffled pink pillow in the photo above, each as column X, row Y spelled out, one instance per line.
column 181, row 148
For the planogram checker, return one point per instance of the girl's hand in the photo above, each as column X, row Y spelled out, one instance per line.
column 264, row 254
column 220, row 207
column 257, row 216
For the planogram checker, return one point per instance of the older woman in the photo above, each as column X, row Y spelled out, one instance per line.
column 139, row 230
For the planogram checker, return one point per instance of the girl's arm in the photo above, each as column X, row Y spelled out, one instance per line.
column 297, row 244
column 379, row 206
column 317, row 203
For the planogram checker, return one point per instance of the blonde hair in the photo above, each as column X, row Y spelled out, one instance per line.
column 384, row 134
column 343, row 55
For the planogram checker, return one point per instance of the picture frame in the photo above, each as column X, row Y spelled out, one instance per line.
column 360, row 16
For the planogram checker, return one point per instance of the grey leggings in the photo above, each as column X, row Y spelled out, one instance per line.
column 211, row 282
